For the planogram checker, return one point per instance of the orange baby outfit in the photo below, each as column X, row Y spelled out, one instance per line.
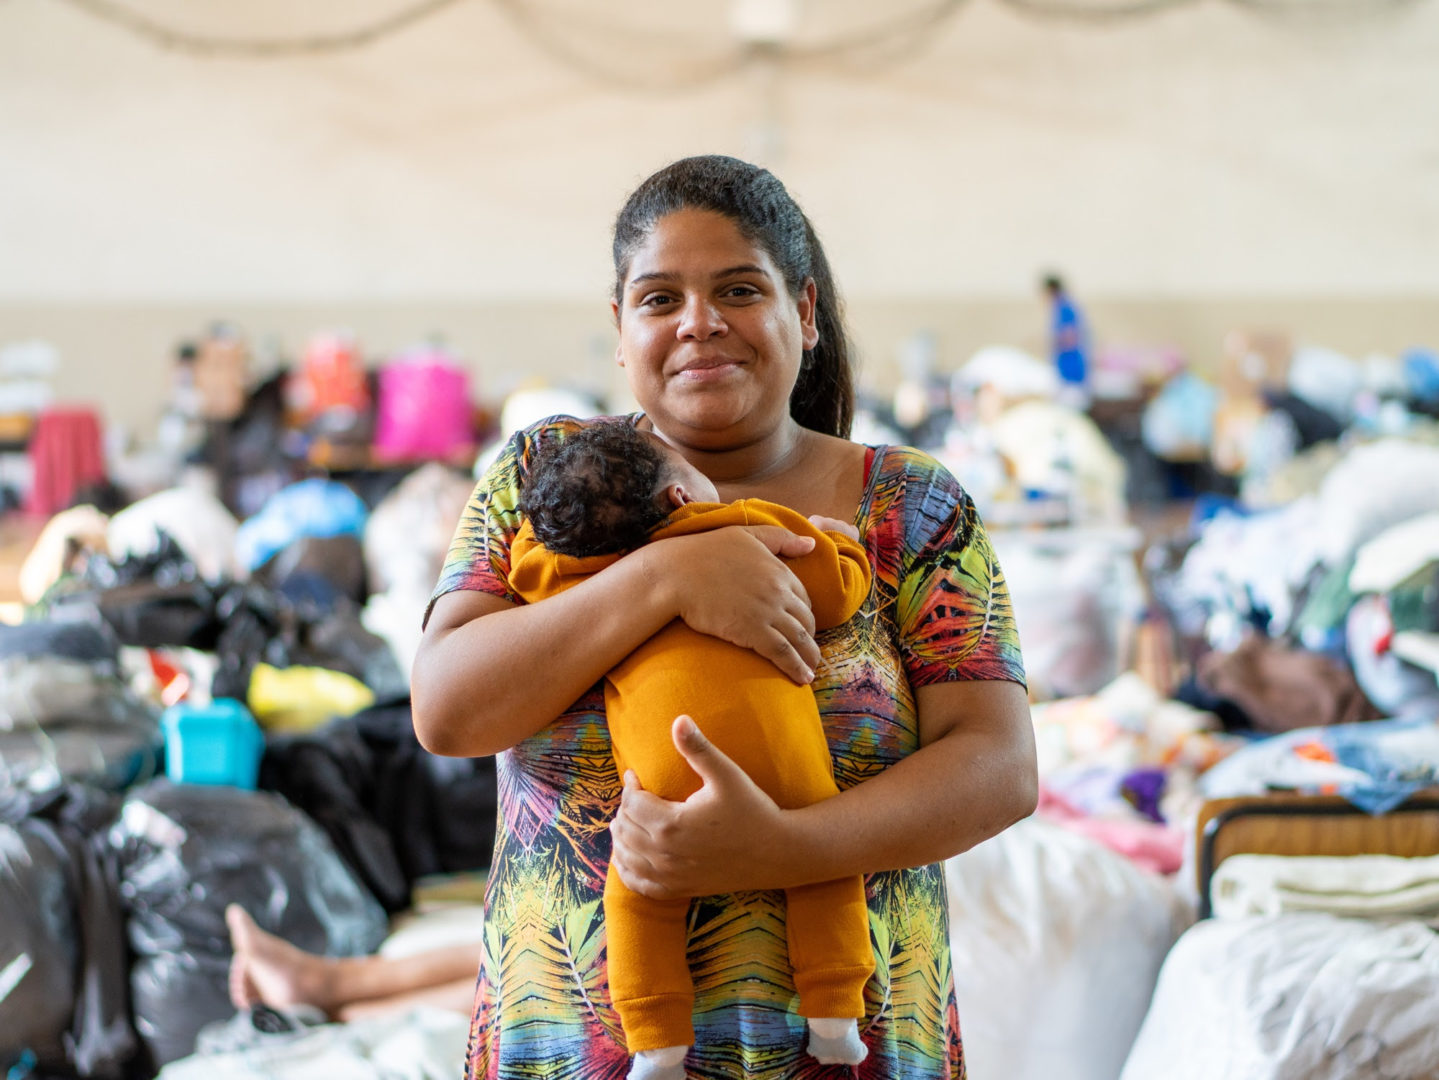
column 761, row 720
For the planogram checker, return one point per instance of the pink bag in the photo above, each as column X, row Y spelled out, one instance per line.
column 423, row 409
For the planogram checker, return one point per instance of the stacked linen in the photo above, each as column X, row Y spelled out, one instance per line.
column 1360, row 886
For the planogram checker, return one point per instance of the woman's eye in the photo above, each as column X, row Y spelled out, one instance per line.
column 656, row 300
column 741, row 291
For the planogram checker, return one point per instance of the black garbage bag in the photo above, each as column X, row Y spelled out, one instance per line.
column 50, row 637
column 439, row 811
column 395, row 811
column 166, row 564
column 259, row 626
column 252, row 453
column 329, row 773
column 63, row 961
column 157, row 598
column 37, row 947
column 107, row 756
column 339, row 641
column 65, row 720
column 185, row 852
column 148, row 614
column 321, row 570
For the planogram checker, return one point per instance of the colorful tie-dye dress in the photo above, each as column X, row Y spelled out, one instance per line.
column 939, row 610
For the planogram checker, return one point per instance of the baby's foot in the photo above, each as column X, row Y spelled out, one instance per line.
column 666, row 1063
column 835, row 1041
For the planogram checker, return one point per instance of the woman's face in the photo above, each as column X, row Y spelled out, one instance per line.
column 710, row 336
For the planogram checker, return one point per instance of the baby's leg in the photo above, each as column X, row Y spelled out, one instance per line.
column 650, row 981
column 829, row 949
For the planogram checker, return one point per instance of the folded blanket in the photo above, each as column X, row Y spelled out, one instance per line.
column 1352, row 885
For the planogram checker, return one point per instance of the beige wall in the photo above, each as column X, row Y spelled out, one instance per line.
column 1191, row 171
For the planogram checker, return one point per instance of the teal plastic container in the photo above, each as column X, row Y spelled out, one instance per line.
column 219, row 743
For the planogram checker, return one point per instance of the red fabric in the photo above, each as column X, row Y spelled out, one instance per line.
column 868, row 461
column 66, row 455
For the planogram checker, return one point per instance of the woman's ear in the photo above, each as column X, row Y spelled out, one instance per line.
column 808, row 304
column 619, row 347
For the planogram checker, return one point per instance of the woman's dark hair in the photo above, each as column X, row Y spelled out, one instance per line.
column 758, row 204
column 596, row 491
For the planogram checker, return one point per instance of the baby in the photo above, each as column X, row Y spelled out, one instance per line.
column 605, row 490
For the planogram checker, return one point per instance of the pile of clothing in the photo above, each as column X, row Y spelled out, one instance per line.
column 114, row 878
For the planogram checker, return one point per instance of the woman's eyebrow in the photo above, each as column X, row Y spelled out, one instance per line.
column 743, row 268
column 732, row 271
column 654, row 275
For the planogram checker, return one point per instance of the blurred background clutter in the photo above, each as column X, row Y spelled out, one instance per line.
column 1157, row 282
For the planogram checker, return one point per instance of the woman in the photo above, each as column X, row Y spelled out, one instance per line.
column 729, row 333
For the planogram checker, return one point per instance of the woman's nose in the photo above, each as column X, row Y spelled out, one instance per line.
column 701, row 319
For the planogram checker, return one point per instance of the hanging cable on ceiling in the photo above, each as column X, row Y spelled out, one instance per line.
column 578, row 41
column 167, row 37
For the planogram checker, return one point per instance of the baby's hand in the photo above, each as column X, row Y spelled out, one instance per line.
column 829, row 524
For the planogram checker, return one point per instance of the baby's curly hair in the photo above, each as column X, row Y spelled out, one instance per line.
column 597, row 491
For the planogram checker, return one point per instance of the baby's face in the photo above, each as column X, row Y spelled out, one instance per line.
column 683, row 481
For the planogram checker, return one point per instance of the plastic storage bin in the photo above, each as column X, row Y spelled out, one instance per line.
column 219, row 743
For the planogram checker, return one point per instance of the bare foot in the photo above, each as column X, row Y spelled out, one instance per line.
column 268, row 970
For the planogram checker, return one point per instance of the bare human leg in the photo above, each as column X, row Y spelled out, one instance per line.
column 268, row 970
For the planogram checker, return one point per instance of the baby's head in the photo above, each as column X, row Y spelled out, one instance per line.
column 604, row 488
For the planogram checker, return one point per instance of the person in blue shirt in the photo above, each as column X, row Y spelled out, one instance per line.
column 1069, row 338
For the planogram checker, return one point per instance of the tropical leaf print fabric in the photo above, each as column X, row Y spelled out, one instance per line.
column 938, row 611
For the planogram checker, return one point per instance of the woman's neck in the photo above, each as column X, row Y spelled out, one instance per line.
column 748, row 470
column 793, row 466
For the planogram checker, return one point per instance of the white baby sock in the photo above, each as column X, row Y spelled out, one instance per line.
column 835, row 1041
column 666, row 1063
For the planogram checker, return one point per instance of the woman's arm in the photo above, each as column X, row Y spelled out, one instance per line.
column 489, row 673
column 974, row 775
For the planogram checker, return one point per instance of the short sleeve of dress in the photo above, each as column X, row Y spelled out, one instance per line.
column 951, row 603
column 478, row 558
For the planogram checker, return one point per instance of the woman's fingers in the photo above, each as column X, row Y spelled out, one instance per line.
column 781, row 541
column 746, row 595
column 795, row 653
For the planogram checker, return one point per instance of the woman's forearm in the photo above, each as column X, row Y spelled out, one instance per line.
column 969, row 784
column 488, row 674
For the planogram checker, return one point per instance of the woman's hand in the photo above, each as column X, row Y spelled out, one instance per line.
column 973, row 776
column 732, row 583
column 725, row 837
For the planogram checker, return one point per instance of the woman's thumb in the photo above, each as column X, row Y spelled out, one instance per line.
column 701, row 754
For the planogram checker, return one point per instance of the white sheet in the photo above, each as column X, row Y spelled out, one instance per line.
column 421, row 1044
column 1057, row 942
column 1302, row 996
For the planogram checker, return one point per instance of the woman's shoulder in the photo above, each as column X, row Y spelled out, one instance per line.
column 914, row 497
column 895, row 468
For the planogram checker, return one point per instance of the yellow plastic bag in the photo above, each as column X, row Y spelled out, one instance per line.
column 302, row 698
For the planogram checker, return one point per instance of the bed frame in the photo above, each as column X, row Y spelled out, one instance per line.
column 1286, row 823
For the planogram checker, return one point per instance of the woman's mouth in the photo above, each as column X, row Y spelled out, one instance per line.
column 702, row 371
